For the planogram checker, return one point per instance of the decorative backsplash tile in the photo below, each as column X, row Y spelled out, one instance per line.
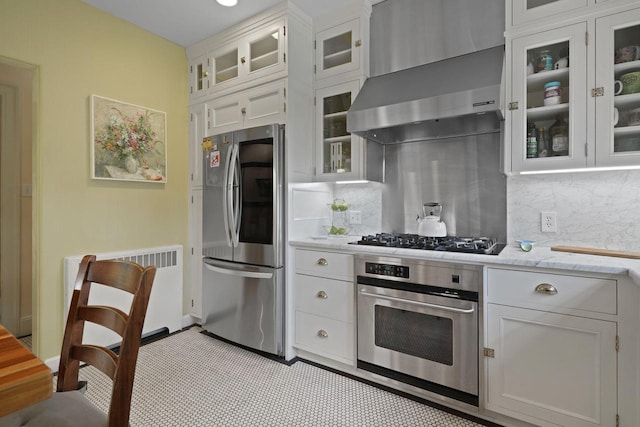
column 595, row 209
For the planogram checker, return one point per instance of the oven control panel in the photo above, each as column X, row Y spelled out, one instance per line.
column 387, row 269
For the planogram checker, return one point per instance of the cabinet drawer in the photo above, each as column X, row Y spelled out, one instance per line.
column 325, row 264
column 326, row 337
column 526, row 288
column 325, row 297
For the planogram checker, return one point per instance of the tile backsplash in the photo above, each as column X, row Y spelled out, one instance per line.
column 594, row 209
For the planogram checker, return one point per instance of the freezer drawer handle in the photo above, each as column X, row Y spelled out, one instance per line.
column 323, row 261
column 322, row 294
column 547, row 289
column 323, row 334
column 419, row 303
column 249, row 274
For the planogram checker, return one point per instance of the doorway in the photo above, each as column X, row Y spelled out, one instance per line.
column 17, row 134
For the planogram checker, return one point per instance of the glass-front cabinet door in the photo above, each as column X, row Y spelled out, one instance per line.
column 199, row 76
column 225, row 65
column 339, row 153
column 523, row 11
column 337, row 49
column 264, row 51
column 618, row 81
column 548, row 100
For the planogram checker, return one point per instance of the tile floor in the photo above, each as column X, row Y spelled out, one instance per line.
column 191, row 379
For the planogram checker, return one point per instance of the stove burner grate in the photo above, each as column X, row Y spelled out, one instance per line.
column 476, row 245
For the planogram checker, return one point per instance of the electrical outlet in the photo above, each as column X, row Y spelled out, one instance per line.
column 548, row 222
column 355, row 217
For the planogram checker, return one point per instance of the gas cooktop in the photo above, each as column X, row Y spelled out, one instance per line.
column 473, row 245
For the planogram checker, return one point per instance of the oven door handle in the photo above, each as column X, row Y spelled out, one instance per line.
column 422, row 304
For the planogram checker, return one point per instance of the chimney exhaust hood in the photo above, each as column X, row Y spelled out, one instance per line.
column 428, row 101
column 433, row 62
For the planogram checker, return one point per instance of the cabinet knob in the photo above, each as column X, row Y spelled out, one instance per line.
column 546, row 289
column 358, row 43
column 322, row 261
column 323, row 334
column 243, row 110
column 205, row 74
column 322, row 295
column 243, row 60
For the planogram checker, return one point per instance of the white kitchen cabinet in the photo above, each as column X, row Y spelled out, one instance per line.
column 253, row 53
column 197, row 131
column 199, row 76
column 324, row 304
column 527, row 104
column 526, row 11
column 261, row 105
column 617, row 143
column 195, row 253
column 338, row 49
column 341, row 42
column 551, row 347
column 587, row 98
column 339, row 154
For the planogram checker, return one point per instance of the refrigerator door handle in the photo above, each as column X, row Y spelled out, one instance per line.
column 227, row 199
column 236, row 195
column 240, row 273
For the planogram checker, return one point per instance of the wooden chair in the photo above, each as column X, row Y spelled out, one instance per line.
column 68, row 406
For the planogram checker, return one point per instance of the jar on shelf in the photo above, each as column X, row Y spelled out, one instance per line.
column 545, row 61
column 552, row 93
column 559, row 134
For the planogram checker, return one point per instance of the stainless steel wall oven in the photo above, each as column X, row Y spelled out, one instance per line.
column 418, row 324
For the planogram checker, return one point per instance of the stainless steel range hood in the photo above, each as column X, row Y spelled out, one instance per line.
column 427, row 102
column 432, row 62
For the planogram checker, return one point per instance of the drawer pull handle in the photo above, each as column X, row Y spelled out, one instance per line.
column 323, row 334
column 322, row 294
column 322, row 261
column 547, row 289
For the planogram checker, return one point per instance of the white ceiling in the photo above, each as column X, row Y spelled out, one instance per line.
column 186, row 22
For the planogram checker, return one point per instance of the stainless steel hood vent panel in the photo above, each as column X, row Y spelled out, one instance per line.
column 419, row 97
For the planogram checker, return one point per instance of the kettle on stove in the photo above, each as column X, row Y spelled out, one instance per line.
column 430, row 224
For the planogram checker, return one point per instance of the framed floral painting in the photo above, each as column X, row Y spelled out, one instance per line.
column 128, row 141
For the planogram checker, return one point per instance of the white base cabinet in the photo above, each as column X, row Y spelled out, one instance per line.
column 325, row 306
column 555, row 368
column 551, row 347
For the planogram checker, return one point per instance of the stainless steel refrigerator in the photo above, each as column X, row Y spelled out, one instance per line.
column 243, row 233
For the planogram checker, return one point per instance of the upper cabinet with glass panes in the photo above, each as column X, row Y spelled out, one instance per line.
column 239, row 58
column 571, row 89
column 342, row 42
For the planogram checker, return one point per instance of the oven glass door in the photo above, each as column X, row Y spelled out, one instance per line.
column 428, row 337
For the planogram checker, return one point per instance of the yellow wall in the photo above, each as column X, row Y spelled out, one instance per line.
column 80, row 51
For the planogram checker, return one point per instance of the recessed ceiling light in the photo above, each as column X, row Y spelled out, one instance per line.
column 228, row 3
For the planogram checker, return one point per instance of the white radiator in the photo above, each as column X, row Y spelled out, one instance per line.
column 165, row 304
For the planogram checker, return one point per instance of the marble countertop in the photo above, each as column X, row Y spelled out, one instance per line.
column 541, row 257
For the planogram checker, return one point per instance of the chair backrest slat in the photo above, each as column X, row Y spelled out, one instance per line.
column 124, row 275
column 98, row 357
column 109, row 317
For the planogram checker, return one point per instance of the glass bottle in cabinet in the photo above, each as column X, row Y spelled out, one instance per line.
column 549, row 80
column 338, row 151
column 618, row 46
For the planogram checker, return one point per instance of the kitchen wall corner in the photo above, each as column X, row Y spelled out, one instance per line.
column 366, row 198
column 594, row 209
